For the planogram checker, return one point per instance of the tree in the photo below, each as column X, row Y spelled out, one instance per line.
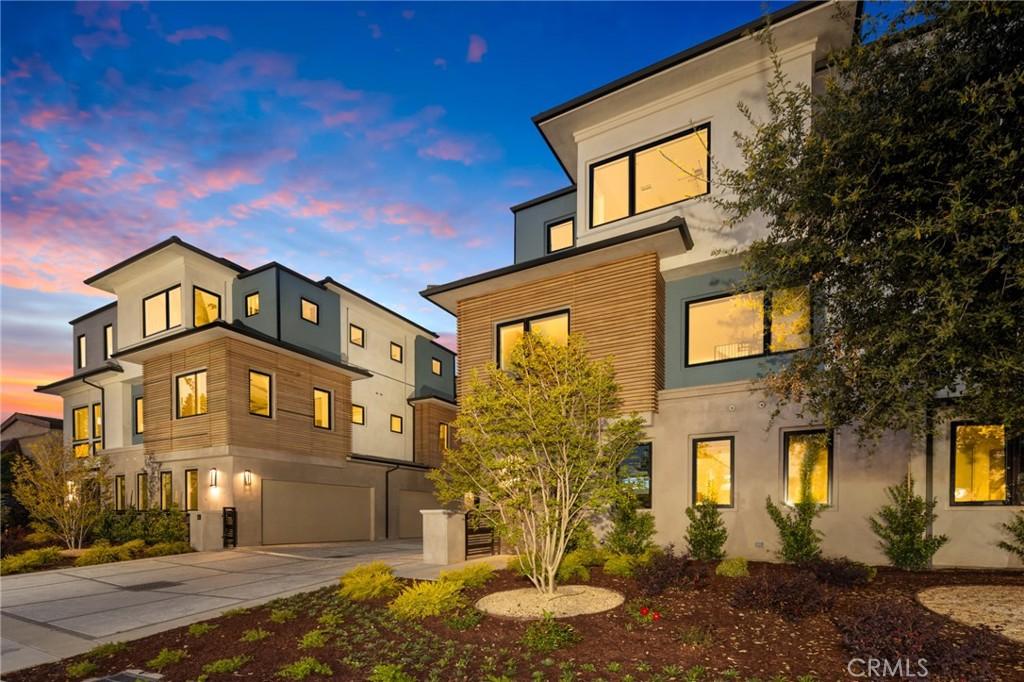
column 800, row 541
column 632, row 530
column 706, row 534
column 64, row 493
column 896, row 192
column 902, row 527
column 541, row 445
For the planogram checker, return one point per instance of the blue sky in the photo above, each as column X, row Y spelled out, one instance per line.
column 381, row 144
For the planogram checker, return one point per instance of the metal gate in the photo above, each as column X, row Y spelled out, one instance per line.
column 479, row 539
column 230, row 527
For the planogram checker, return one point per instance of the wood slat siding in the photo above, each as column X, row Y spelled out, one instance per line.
column 618, row 307
column 228, row 422
column 428, row 418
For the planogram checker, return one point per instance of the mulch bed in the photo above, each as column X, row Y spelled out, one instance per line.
column 613, row 645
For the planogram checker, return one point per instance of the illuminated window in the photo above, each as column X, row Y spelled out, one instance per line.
column 191, row 489
column 435, row 366
column 712, row 470
column 808, row 453
column 142, row 490
column 259, row 393
column 80, row 431
column 161, row 311
column 981, row 469
column 358, row 414
column 791, row 319
column 356, row 334
column 108, row 341
column 560, row 235
column 205, row 306
column 97, row 425
column 554, row 328
column 310, row 311
column 321, row 408
column 119, row 493
column 635, row 474
column 191, row 394
column 140, row 415
column 442, row 437
column 396, row 424
column 666, row 172
column 396, row 352
column 252, row 304
column 81, row 351
column 166, row 490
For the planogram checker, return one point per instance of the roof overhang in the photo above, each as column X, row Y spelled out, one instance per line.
column 432, row 400
column 670, row 238
column 340, row 288
column 158, row 254
column 83, row 379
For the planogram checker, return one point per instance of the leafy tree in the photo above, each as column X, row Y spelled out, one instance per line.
column 706, row 534
column 800, row 540
column 896, row 191
column 902, row 527
column 64, row 493
column 541, row 445
column 1014, row 530
column 632, row 531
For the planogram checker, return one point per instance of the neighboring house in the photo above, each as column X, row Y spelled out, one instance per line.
column 629, row 256
column 17, row 434
column 299, row 405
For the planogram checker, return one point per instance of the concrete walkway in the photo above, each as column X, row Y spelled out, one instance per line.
column 55, row 614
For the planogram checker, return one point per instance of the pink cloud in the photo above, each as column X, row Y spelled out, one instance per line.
column 43, row 117
column 222, row 180
column 105, row 18
column 342, row 117
column 449, row 340
column 167, row 198
column 418, row 218
column 31, row 68
column 475, row 243
column 23, row 163
column 375, row 31
column 89, row 169
column 318, row 208
column 464, row 151
column 199, row 33
column 476, row 50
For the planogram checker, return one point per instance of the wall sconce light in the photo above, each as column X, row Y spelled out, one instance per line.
column 213, row 478
column 247, row 478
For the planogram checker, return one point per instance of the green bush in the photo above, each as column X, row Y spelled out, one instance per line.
column 581, row 539
column 389, row 672
column 303, row 668
column 282, row 615
column 314, row 639
column 104, row 553
column 153, row 526
column 706, row 534
column 902, row 527
column 589, row 556
column 81, row 669
column 572, row 569
column 632, row 530
column 464, row 618
column 546, row 635
column 733, row 567
column 800, row 541
column 254, row 635
column 30, row 560
column 1015, row 530
column 369, row 581
column 472, row 576
column 165, row 658
column 426, row 598
column 200, row 629
column 515, row 565
column 167, row 549
column 107, row 649
column 226, row 665
column 620, row 565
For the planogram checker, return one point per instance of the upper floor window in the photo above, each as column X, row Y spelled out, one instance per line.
column 97, row 421
column 191, row 399
column 985, row 466
column 561, row 235
column 252, row 304
column 356, row 335
column 435, row 366
column 259, row 393
column 310, row 311
column 743, row 325
column 396, row 424
column 161, row 311
column 108, row 341
column 206, row 306
column 665, row 172
column 808, row 453
column 80, row 431
column 553, row 327
column 81, row 360
column 396, row 352
column 358, row 414
column 321, row 408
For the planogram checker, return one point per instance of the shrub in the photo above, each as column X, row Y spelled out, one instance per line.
column 389, row 672
column 572, row 569
column 621, row 565
column 546, row 635
column 667, row 569
column 167, row 549
column 80, row 669
column 632, row 530
column 792, row 595
column 30, row 560
column 100, row 553
column 107, row 649
column 472, row 576
column 695, row 635
column 369, row 581
column 426, row 598
column 800, row 541
column 843, row 572
column 464, row 618
column 706, row 534
column 282, row 615
column 153, row 526
column 733, row 567
column 165, row 658
column 314, row 639
column 254, row 635
column 200, row 629
column 581, row 539
column 133, row 549
column 516, row 565
column 902, row 528
column 226, row 665
column 1015, row 530
column 303, row 668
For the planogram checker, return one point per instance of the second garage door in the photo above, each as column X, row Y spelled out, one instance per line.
column 296, row 512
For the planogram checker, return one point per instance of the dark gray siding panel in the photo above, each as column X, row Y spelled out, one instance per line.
column 265, row 283
column 92, row 327
column 325, row 337
column 428, row 383
column 531, row 240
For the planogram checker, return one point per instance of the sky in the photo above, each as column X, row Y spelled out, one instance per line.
column 380, row 144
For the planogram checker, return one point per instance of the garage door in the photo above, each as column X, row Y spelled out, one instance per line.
column 410, row 522
column 296, row 512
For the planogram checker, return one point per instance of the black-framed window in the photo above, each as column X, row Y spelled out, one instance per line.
column 436, row 366
column 205, row 307
column 552, row 326
column 396, row 423
column 108, row 341
column 670, row 170
column 810, row 449
column 139, row 415
column 749, row 324
column 260, row 393
column 442, row 437
column 561, row 234
column 635, row 473
column 356, row 335
column 80, row 431
column 81, row 360
column 161, row 311
column 358, row 414
column 322, row 408
column 397, row 352
column 713, row 460
column 310, row 311
column 191, row 489
column 191, row 399
column 97, row 426
column 166, row 490
column 252, row 304
column 985, row 466
column 142, row 490
column 119, row 490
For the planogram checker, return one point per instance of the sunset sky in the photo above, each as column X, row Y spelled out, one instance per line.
column 380, row 144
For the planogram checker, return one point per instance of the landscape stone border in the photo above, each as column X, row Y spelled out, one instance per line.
column 568, row 600
column 995, row 606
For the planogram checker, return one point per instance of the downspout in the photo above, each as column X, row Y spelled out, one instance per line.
column 929, row 459
column 387, row 501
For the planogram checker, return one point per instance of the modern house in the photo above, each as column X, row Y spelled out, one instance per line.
column 18, row 433
column 290, row 409
column 629, row 255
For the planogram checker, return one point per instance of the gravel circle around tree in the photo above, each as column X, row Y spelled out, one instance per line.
column 994, row 606
column 568, row 600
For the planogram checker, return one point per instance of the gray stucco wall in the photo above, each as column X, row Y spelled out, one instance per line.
column 531, row 223
column 325, row 337
column 137, row 392
column 92, row 327
column 265, row 282
column 428, row 383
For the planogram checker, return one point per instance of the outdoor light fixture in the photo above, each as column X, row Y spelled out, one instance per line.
column 247, row 478
column 213, row 478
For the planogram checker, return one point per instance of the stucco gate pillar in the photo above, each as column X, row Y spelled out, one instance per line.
column 444, row 536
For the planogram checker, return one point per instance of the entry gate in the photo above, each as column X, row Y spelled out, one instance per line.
column 479, row 539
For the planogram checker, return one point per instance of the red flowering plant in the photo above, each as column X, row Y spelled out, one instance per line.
column 643, row 613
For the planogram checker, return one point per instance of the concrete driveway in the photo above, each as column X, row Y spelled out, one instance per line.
column 54, row 614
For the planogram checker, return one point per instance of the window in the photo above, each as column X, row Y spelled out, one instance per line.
column 322, row 408
column 442, row 437
column 396, row 424
column 635, row 473
column 561, row 235
column 396, row 352
column 355, row 335
column 161, row 311
column 655, row 175
column 80, row 431
column 140, row 414
column 712, row 470
column 191, row 394
column 808, row 453
column 252, row 304
column 81, row 351
column 166, row 490
column 108, row 341
column 259, row 393
column 142, row 490
column 119, row 493
column 554, row 328
column 205, row 306
column 435, row 366
column 97, row 424
column 191, row 489
column 986, row 466
column 358, row 414
column 310, row 311
column 743, row 325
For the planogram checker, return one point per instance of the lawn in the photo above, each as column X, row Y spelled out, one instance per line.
column 697, row 635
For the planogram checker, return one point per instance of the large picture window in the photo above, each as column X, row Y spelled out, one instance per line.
column 553, row 327
column 985, row 466
column 655, row 175
column 713, row 460
column 205, row 307
column 259, row 393
column 635, row 473
column 191, row 399
column 321, row 408
column 161, row 311
column 810, row 452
